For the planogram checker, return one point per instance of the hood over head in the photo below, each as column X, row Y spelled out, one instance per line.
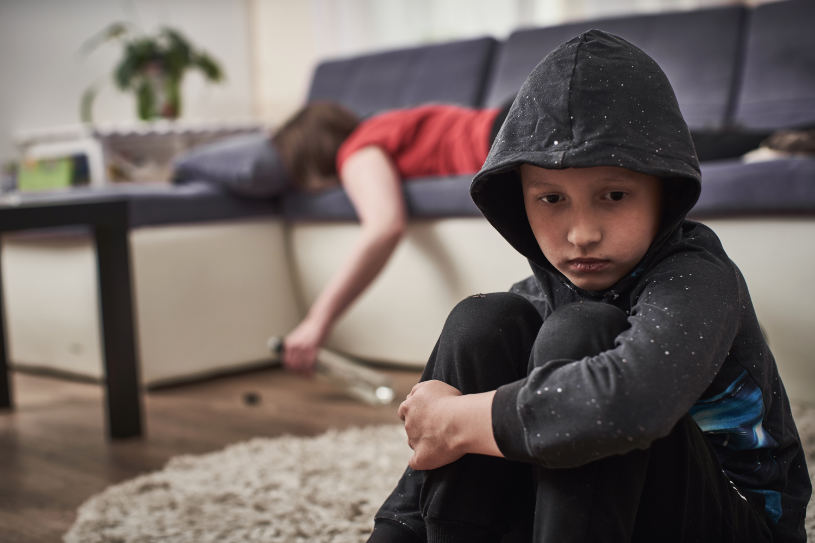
column 596, row 100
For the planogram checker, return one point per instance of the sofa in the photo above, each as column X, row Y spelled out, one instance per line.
column 218, row 267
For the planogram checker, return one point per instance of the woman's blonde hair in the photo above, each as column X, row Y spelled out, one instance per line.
column 308, row 143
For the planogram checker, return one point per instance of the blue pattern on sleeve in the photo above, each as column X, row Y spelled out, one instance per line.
column 735, row 417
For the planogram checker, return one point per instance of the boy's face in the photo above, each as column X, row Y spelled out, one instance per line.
column 592, row 224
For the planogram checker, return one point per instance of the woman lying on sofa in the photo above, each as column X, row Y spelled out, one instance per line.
column 324, row 144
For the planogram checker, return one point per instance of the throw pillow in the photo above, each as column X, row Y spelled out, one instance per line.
column 247, row 165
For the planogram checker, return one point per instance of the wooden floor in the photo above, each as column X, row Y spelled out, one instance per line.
column 54, row 453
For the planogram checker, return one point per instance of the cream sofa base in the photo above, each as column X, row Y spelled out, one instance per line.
column 439, row 262
column 51, row 300
column 207, row 297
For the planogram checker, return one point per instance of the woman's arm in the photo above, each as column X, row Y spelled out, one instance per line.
column 373, row 185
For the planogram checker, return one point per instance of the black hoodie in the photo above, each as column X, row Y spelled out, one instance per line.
column 694, row 344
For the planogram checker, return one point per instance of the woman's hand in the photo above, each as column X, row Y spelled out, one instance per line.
column 426, row 413
column 300, row 347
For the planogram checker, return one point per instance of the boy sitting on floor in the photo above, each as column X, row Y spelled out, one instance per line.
column 624, row 392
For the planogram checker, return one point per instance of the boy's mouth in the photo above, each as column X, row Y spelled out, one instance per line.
column 587, row 265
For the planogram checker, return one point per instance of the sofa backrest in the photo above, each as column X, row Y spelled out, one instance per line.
column 454, row 72
column 698, row 50
column 778, row 84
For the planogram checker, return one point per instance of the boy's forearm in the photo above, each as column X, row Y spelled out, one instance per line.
column 472, row 418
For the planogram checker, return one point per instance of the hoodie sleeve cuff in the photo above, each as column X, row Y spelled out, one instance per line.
column 507, row 427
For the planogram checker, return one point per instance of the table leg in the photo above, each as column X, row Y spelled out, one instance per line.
column 6, row 399
column 122, row 385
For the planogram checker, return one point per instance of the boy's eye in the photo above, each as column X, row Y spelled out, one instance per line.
column 551, row 198
column 615, row 195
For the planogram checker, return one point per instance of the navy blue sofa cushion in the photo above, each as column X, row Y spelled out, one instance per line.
column 778, row 85
column 696, row 49
column 785, row 186
column 194, row 202
column 453, row 72
column 425, row 198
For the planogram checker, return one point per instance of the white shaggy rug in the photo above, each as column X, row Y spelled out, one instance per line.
column 282, row 490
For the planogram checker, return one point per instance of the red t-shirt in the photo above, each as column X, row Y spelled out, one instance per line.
column 426, row 140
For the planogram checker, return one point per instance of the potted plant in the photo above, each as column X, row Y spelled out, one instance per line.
column 153, row 68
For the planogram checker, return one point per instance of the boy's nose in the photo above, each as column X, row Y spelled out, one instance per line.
column 584, row 231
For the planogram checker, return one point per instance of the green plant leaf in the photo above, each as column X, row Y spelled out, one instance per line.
column 146, row 101
column 177, row 43
column 172, row 107
column 125, row 72
column 209, row 67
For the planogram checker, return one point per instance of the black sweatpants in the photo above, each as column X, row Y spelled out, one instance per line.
column 673, row 491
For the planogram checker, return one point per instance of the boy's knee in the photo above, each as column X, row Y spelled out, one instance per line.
column 581, row 314
column 485, row 313
column 485, row 343
column 580, row 329
column 477, row 322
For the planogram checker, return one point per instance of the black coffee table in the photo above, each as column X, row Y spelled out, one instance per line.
column 109, row 223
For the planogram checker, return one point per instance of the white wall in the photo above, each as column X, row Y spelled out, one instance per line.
column 43, row 74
